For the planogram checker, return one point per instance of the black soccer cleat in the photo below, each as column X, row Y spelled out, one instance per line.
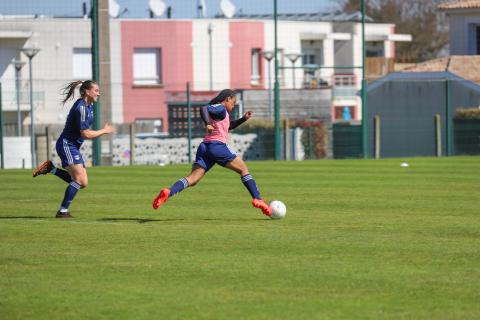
column 44, row 168
column 63, row 215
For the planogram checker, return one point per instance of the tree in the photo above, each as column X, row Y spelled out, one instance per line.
column 419, row 18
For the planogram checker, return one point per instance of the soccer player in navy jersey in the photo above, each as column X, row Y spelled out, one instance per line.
column 214, row 149
column 77, row 128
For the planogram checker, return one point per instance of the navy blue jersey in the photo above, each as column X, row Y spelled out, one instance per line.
column 79, row 118
column 217, row 111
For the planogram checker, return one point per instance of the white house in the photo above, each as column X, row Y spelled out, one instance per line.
column 464, row 21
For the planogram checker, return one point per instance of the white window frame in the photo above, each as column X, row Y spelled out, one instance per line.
column 82, row 63
column 147, row 66
column 256, row 65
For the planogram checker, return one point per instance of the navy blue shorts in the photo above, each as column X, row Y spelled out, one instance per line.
column 209, row 153
column 68, row 153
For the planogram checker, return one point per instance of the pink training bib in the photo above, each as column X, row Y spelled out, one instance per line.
column 220, row 130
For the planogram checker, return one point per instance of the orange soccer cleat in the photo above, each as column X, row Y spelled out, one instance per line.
column 259, row 203
column 44, row 168
column 161, row 198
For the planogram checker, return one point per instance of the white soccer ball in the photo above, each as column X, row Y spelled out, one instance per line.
column 279, row 210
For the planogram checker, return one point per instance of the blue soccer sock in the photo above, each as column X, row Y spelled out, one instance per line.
column 178, row 187
column 62, row 174
column 251, row 186
column 70, row 193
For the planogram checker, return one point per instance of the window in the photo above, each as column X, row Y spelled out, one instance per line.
column 256, row 66
column 375, row 49
column 478, row 39
column 312, row 52
column 146, row 66
column 82, row 63
column 344, row 80
column 308, row 58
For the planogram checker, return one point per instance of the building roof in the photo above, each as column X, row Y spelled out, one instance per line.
column 467, row 67
column 459, row 4
column 318, row 16
column 422, row 76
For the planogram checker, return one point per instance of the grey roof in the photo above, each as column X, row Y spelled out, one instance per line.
column 422, row 76
column 319, row 16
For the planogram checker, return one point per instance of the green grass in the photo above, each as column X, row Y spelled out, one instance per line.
column 362, row 239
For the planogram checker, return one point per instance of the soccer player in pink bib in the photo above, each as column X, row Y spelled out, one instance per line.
column 214, row 149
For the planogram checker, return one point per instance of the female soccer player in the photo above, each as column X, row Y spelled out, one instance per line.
column 77, row 128
column 214, row 149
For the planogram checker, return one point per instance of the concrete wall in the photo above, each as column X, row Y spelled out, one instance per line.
column 245, row 36
column 295, row 104
column 220, row 54
column 17, row 152
column 116, row 71
column 154, row 151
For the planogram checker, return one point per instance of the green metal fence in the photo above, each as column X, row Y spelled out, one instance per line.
column 347, row 141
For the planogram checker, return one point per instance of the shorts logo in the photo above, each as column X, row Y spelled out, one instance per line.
column 76, row 157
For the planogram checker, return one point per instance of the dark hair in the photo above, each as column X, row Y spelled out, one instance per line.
column 69, row 90
column 222, row 96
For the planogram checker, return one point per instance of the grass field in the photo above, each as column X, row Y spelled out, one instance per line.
column 363, row 239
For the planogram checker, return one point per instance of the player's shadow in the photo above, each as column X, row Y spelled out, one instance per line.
column 139, row 220
column 22, row 217
column 231, row 219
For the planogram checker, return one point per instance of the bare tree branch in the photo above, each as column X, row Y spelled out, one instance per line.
column 416, row 17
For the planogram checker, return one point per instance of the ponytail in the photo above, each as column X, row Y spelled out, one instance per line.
column 69, row 90
column 222, row 96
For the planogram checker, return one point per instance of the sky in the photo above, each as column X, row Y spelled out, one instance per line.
column 181, row 8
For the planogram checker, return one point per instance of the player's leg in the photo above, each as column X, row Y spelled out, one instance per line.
column 239, row 166
column 192, row 179
column 48, row 167
column 201, row 165
column 73, row 162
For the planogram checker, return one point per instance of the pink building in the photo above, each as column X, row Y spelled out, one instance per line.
column 153, row 59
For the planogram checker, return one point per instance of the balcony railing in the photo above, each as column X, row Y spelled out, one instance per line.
column 345, row 92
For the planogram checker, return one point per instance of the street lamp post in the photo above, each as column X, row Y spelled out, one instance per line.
column 293, row 57
column 276, row 86
column 268, row 55
column 18, row 64
column 30, row 53
column 364, row 86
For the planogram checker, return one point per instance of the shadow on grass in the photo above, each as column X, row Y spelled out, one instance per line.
column 23, row 217
column 139, row 220
column 230, row 219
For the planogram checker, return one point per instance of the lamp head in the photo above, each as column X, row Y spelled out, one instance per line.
column 30, row 52
column 293, row 57
column 18, row 64
column 267, row 55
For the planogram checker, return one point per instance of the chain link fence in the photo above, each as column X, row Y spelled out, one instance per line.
column 148, row 57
